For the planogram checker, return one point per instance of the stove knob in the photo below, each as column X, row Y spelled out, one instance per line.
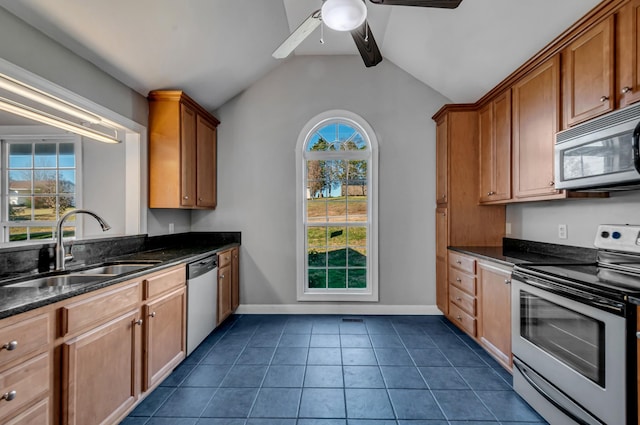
column 604, row 234
column 616, row 235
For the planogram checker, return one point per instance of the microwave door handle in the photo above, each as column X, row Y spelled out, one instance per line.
column 636, row 147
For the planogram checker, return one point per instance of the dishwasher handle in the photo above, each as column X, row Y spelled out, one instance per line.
column 200, row 267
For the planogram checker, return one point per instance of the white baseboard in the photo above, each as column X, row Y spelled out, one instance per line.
column 364, row 309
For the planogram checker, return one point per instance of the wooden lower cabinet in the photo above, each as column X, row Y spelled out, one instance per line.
column 100, row 372
column 164, row 336
column 494, row 311
column 39, row 414
column 462, row 292
column 224, row 293
column 235, row 278
column 228, row 282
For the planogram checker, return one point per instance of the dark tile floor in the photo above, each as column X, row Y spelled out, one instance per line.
column 336, row 370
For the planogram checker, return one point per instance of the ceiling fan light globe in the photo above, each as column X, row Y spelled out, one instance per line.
column 344, row 15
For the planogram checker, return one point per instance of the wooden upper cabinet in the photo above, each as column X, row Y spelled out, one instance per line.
column 182, row 152
column 536, row 110
column 588, row 74
column 628, row 54
column 442, row 161
column 494, row 123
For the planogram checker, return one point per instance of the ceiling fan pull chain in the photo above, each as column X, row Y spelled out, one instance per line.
column 322, row 33
column 366, row 31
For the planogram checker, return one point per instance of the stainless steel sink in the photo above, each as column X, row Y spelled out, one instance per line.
column 112, row 269
column 51, row 281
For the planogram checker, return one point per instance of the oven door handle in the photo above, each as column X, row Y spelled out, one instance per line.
column 635, row 140
column 580, row 420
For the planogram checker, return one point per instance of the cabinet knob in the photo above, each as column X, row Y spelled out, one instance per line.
column 459, row 318
column 186, row 197
column 222, row 276
column 507, row 281
column 152, row 314
column 625, row 89
column 638, row 335
column 138, row 322
column 199, row 199
column 10, row 346
column 551, row 183
column 458, row 299
column 458, row 262
column 458, row 279
column 10, row 395
column 604, row 98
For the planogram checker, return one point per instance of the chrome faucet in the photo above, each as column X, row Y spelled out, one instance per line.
column 61, row 255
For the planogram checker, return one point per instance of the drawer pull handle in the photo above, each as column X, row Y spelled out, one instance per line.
column 458, row 279
column 152, row 314
column 458, row 262
column 138, row 322
column 459, row 318
column 507, row 281
column 491, row 193
column 10, row 346
column 10, row 395
column 604, row 98
column 626, row 89
column 458, row 299
column 638, row 335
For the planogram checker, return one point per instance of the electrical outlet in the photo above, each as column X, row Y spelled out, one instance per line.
column 507, row 228
column 171, row 229
column 562, row 231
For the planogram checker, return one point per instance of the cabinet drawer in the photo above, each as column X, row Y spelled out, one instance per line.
column 462, row 319
column 92, row 311
column 27, row 336
column 462, row 280
column 463, row 300
column 224, row 258
column 29, row 380
column 36, row 415
column 462, row 262
column 161, row 283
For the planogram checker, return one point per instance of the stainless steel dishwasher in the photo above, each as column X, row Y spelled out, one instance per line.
column 202, row 300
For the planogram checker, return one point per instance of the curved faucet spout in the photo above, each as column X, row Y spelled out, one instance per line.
column 60, row 252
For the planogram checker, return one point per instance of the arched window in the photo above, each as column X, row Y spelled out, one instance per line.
column 337, row 209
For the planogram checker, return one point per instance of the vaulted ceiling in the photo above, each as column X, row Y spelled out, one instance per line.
column 214, row 49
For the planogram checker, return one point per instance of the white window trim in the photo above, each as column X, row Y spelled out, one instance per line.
column 371, row 294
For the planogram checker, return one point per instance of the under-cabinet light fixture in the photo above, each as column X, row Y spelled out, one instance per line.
column 45, row 118
column 47, row 100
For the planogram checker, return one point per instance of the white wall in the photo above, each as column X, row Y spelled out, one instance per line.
column 256, row 172
column 538, row 221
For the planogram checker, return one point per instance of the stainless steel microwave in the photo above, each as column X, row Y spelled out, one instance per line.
column 600, row 154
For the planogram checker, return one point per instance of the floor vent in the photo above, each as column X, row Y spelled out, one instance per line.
column 350, row 319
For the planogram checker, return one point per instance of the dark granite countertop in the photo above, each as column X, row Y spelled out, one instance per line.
column 15, row 300
column 516, row 251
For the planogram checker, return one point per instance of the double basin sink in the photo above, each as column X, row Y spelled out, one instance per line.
column 89, row 275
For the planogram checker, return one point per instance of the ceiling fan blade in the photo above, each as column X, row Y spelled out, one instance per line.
column 443, row 4
column 367, row 45
column 298, row 36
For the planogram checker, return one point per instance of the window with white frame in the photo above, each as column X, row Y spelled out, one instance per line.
column 39, row 184
column 337, row 192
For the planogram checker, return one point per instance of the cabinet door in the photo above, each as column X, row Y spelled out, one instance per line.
column 588, row 74
column 442, row 232
column 535, row 123
column 235, row 278
column 99, row 372
column 164, row 336
column 494, row 312
column 188, row 156
column 628, row 53
column 224, row 293
column 206, row 164
column 442, row 165
column 495, row 149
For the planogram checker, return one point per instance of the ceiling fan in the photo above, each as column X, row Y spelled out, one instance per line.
column 351, row 15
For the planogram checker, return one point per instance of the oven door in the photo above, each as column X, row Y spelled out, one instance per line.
column 569, row 357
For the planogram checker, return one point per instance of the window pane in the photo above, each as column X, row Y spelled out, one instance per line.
column 317, row 210
column 357, row 209
column 67, row 156
column 45, row 208
column 317, row 278
column 317, row 257
column 317, row 237
column 337, row 209
column 337, row 238
column 41, row 232
column 337, row 258
column 45, row 155
column 317, row 143
column 67, row 181
column 66, row 203
column 21, row 210
column 357, row 256
column 357, row 278
column 68, row 231
column 20, row 155
column 17, row 234
column 44, row 181
column 20, row 182
column 337, row 278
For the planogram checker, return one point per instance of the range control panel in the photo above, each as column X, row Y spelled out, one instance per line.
column 618, row 237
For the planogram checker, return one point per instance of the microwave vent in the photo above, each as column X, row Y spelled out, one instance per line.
column 630, row 113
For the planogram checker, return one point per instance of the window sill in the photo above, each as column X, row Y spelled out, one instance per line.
column 325, row 296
